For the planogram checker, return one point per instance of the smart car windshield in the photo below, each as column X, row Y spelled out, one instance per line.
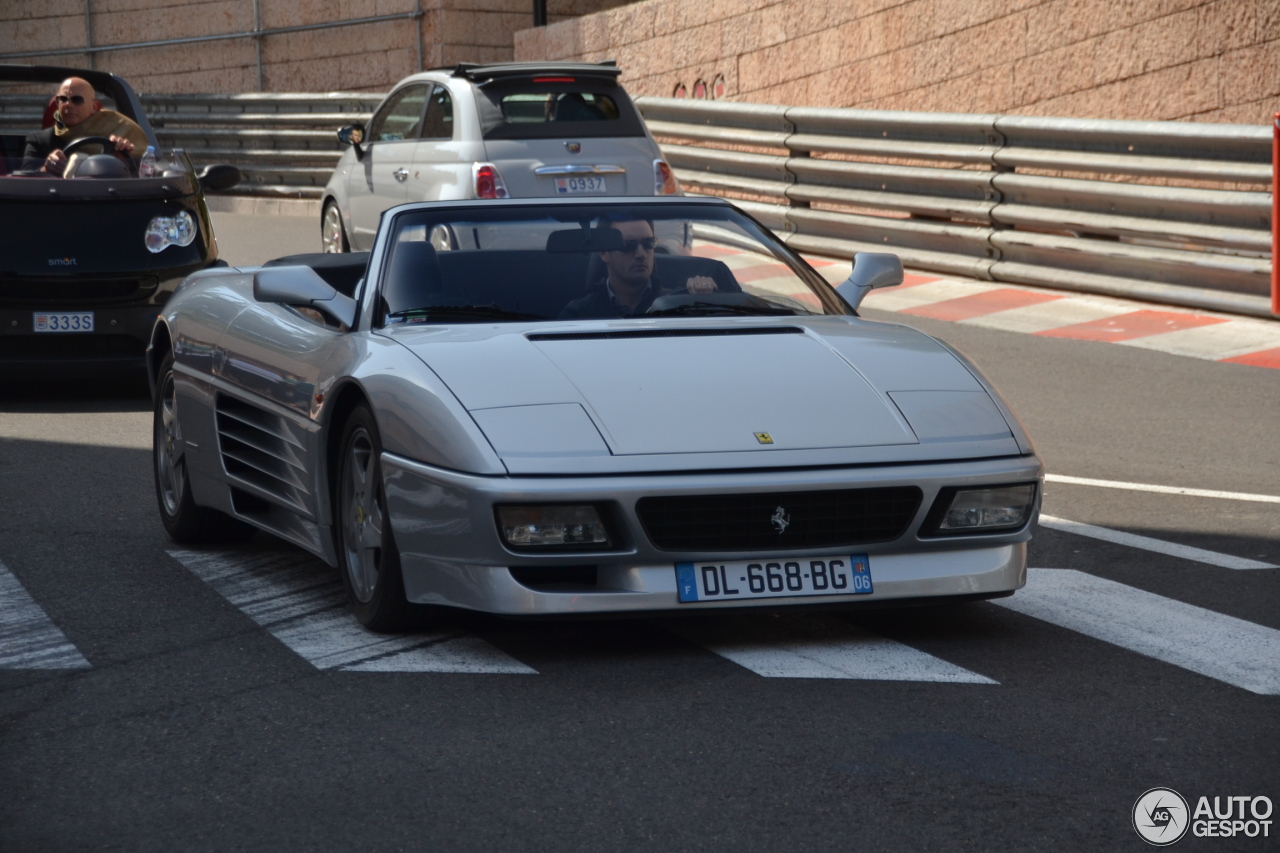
column 71, row 133
column 583, row 262
column 90, row 170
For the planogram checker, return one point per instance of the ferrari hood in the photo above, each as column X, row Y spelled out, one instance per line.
column 752, row 389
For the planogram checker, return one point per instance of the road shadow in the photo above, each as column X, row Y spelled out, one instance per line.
column 75, row 393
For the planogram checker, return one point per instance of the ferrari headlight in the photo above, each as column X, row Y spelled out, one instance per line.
column 989, row 510
column 551, row 526
column 165, row 231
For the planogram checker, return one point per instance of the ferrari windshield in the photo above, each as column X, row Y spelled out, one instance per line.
column 589, row 262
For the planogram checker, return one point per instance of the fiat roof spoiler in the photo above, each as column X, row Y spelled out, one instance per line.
column 503, row 71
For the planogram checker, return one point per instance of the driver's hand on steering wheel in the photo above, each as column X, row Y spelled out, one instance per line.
column 701, row 284
column 123, row 145
column 56, row 162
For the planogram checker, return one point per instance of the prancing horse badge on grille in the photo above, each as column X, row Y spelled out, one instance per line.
column 781, row 520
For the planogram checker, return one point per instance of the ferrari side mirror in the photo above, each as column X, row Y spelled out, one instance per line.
column 870, row 270
column 299, row 285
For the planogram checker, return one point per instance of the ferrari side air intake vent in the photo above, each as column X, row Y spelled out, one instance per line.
column 778, row 521
column 259, row 449
column 665, row 333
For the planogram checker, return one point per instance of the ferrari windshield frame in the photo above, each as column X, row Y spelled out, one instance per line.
column 482, row 254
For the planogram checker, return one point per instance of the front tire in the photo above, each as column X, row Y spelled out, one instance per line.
column 367, row 553
column 333, row 237
column 184, row 520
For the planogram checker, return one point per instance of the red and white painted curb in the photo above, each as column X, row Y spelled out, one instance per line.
column 1053, row 314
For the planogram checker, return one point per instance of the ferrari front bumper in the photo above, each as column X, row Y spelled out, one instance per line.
column 451, row 554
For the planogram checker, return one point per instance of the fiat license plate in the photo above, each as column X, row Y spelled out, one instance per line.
column 574, row 186
column 62, row 321
column 731, row 581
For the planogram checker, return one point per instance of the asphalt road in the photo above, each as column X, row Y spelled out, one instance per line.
column 190, row 727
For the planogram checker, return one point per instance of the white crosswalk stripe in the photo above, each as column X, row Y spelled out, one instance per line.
column 1147, row 543
column 1222, row 647
column 28, row 639
column 297, row 599
column 816, row 646
column 300, row 602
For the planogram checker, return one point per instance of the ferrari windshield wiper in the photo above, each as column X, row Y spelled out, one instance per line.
column 459, row 312
column 719, row 308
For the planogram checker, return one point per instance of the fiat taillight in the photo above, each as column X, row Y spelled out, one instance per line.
column 488, row 181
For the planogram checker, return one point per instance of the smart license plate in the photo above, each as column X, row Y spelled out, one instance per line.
column 62, row 321
column 574, row 186
column 773, row 578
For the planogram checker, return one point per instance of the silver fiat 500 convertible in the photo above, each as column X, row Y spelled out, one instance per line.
column 562, row 406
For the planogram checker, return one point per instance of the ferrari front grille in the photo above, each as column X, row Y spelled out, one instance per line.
column 778, row 521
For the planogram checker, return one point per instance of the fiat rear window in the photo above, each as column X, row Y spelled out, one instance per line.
column 569, row 109
column 543, row 107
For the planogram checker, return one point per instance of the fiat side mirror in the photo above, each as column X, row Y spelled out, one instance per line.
column 353, row 135
column 299, row 285
column 870, row 270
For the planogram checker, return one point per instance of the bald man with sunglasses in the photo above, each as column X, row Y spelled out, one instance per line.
column 79, row 114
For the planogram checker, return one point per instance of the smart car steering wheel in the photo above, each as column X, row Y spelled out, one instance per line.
column 108, row 146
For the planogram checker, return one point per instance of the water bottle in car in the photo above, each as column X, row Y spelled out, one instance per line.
column 178, row 163
column 147, row 166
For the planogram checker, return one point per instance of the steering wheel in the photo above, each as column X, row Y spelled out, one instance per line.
column 108, row 146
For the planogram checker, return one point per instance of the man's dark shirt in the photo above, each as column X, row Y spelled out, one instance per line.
column 40, row 145
column 601, row 304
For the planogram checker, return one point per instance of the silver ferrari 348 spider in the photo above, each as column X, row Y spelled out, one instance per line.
column 572, row 406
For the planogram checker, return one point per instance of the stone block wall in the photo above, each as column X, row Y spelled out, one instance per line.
column 1200, row 60
column 366, row 57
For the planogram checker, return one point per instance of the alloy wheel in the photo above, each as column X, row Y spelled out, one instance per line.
column 331, row 230
column 362, row 516
column 168, row 449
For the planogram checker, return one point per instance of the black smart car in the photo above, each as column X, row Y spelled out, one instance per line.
column 88, row 260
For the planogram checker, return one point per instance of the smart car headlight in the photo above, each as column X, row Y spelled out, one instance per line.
column 552, row 526
column 165, row 231
column 994, row 509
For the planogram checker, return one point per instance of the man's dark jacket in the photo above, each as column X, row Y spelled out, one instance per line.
column 599, row 304
column 40, row 145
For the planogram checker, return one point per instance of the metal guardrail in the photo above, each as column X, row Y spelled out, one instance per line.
column 283, row 143
column 1147, row 210
column 1169, row 212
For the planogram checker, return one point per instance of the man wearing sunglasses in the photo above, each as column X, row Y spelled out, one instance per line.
column 627, row 286
column 79, row 114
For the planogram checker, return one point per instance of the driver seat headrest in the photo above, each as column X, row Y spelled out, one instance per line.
column 414, row 276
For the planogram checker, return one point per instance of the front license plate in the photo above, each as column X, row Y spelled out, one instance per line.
column 573, row 186
column 773, row 578
column 62, row 321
